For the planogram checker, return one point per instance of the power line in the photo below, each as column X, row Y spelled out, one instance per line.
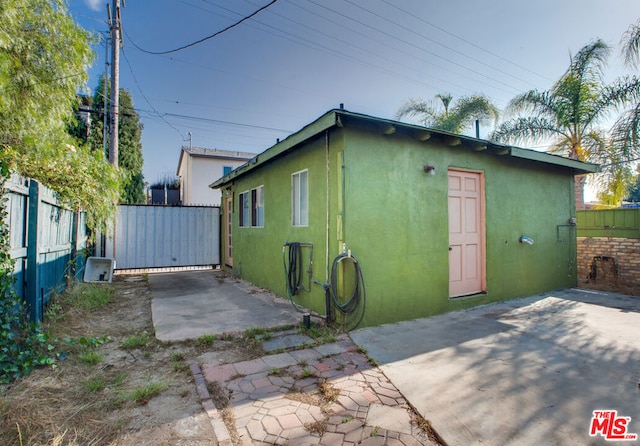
column 441, row 44
column 466, row 41
column 135, row 80
column 405, row 41
column 218, row 121
column 382, row 42
column 204, row 39
column 332, row 50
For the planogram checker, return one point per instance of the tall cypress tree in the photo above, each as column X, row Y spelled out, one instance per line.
column 130, row 158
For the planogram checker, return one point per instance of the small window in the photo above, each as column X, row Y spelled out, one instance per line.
column 251, row 206
column 299, row 198
column 226, row 169
column 243, row 206
column 257, row 206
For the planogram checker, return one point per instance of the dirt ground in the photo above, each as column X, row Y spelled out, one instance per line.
column 114, row 384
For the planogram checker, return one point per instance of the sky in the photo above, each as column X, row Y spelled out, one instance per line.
column 278, row 71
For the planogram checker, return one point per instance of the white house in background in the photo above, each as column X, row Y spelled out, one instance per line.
column 199, row 167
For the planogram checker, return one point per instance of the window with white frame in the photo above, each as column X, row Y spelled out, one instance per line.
column 300, row 198
column 257, row 207
column 243, row 206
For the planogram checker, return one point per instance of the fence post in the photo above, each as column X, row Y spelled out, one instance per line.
column 73, row 261
column 32, row 296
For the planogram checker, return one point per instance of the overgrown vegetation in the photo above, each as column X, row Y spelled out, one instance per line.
column 321, row 334
column 43, row 59
column 99, row 391
column 23, row 345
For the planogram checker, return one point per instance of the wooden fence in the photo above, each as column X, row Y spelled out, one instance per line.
column 614, row 223
column 48, row 242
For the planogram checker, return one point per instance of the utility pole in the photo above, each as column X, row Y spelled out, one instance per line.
column 105, row 111
column 116, row 35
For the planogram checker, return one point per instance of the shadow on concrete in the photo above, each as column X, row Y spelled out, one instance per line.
column 529, row 371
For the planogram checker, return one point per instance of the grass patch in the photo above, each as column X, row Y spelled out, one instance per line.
column 177, row 362
column 135, row 341
column 90, row 358
column 54, row 311
column 275, row 371
column 142, row 395
column 254, row 332
column 206, row 340
column 95, row 384
column 88, row 296
column 306, row 373
column 320, row 333
column 177, row 356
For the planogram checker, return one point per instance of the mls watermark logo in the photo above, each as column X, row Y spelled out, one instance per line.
column 612, row 427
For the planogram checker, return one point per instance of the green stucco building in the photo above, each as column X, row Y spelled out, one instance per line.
column 437, row 221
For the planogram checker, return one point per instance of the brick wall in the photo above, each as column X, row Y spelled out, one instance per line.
column 611, row 264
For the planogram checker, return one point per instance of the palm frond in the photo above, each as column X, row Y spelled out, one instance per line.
column 446, row 99
column 622, row 92
column 631, row 45
column 561, row 147
column 533, row 103
column 589, row 63
column 416, row 107
column 520, row 130
column 594, row 147
column 470, row 108
column 625, row 134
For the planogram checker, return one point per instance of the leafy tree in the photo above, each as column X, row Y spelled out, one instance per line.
column 633, row 193
column 129, row 143
column 448, row 115
column 615, row 179
column 43, row 60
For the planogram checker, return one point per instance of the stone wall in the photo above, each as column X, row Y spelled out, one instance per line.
column 611, row 264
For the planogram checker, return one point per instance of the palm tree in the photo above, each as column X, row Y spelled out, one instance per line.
column 569, row 114
column 626, row 93
column 454, row 118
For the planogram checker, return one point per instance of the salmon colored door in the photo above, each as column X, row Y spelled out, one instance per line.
column 466, row 233
column 228, row 215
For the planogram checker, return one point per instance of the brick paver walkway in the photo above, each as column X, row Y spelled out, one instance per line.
column 326, row 395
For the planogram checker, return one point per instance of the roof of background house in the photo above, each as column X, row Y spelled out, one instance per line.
column 338, row 117
column 201, row 152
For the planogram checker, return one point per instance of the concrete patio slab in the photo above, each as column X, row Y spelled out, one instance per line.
column 189, row 304
column 524, row 372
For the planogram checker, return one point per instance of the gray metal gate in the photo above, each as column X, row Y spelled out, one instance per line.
column 166, row 236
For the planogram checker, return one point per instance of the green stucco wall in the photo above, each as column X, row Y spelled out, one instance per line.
column 395, row 222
